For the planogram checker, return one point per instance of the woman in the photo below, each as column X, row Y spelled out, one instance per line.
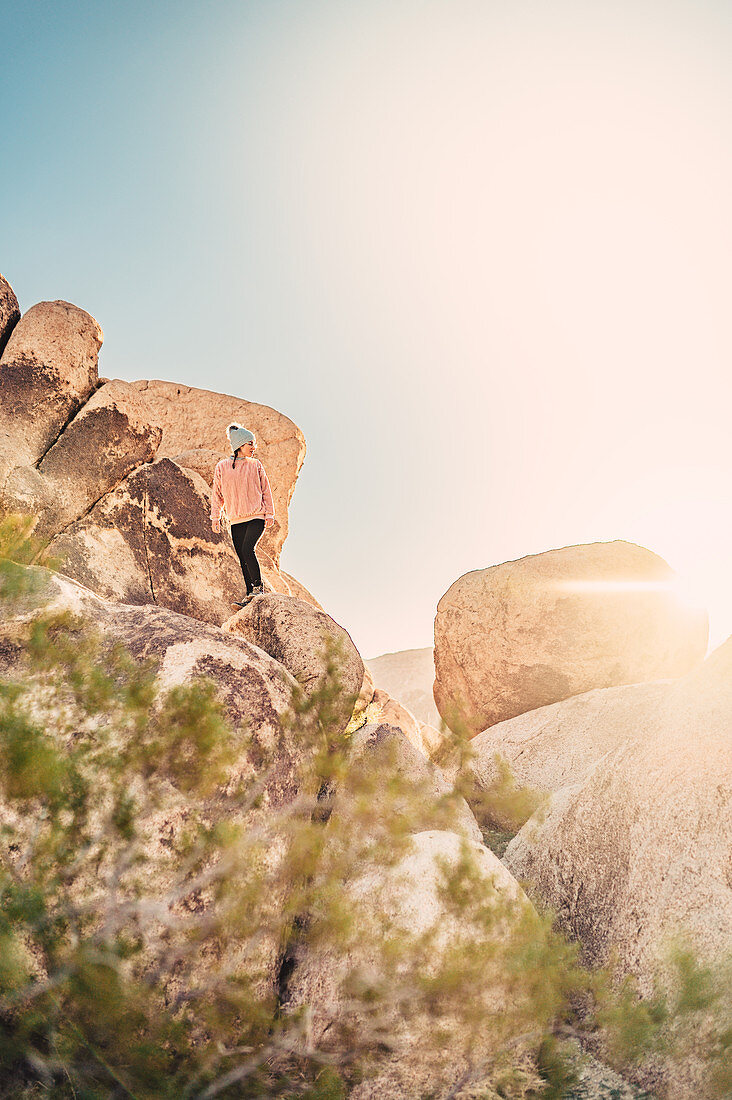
column 241, row 493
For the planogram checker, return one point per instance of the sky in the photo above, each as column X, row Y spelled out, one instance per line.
column 480, row 252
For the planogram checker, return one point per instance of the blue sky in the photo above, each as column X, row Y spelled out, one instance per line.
column 479, row 252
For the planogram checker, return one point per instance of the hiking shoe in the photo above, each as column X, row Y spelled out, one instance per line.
column 238, row 604
column 258, row 590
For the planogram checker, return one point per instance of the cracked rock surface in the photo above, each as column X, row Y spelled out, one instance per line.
column 47, row 371
column 150, row 541
column 108, row 438
column 90, row 459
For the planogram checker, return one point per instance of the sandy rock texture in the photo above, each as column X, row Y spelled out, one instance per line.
column 531, row 632
column 557, row 746
column 408, row 676
column 9, row 312
column 295, row 634
column 47, row 371
column 202, row 461
column 642, row 849
column 196, row 420
column 407, row 897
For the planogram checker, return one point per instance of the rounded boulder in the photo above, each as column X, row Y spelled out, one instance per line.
column 531, row 632
column 48, row 369
column 296, row 634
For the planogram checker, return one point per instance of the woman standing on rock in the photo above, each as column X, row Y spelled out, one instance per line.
column 241, row 493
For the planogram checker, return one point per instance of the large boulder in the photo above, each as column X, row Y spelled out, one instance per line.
column 106, row 440
column 150, row 541
column 9, row 312
column 196, row 420
column 426, row 1052
column 557, row 746
column 47, row 371
column 642, row 849
column 531, row 632
column 296, row 634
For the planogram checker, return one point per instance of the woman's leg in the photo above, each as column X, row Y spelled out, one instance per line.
column 238, row 537
column 250, row 565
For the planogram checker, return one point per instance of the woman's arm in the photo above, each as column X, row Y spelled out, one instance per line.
column 269, row 512
column 217, row 501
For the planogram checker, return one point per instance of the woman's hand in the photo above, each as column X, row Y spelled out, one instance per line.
column 216, row 526
column 269, row 522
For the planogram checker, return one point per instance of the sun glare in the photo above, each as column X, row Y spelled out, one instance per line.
column 683, row 589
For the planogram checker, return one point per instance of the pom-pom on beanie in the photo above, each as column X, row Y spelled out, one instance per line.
column 238, row 436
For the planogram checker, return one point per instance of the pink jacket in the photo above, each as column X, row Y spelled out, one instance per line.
column 242, row 492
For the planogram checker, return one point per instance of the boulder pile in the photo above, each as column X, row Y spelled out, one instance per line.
column 119, row 473
column 580, row 676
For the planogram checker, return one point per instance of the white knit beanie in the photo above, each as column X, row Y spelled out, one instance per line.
column 238, row 436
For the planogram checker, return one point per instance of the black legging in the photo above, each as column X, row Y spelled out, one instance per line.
column 245, row 537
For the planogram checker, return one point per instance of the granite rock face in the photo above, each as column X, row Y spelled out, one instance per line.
column 79, row 453
column 557, row 746
column 47, row 371
column 200, row 460
column 150, row 541
column 105, row 441
column 9, row 312
column 528, row 633
column 641, row 848
column 254, row 692
column 195, row 420
column 295, row 634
